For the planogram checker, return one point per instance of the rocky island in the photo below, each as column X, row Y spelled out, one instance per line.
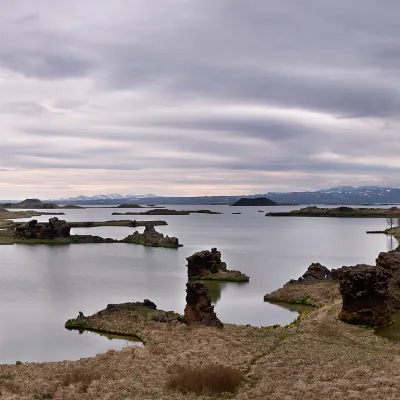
column 129, row 206
column 258, row 201
column 150, row 237
column 340, row 212
column 207, row 265
column 6, row 216
column 122, row 222
column 36, row 204
column 165, row 211
column 57, row 232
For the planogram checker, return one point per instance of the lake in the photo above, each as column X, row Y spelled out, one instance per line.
column 43, row 286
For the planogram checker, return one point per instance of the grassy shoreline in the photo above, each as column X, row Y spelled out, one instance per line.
column 318, row 357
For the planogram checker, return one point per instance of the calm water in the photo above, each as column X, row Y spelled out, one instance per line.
column 43, row 286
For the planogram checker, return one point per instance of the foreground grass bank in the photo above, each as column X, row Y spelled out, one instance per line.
column 318, row 358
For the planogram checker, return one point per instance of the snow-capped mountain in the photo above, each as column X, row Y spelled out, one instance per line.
column 111, row 196
column 340, row 195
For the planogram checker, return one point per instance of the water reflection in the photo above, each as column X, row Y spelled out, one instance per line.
column 291, row 307
column 392, row 243
column 130, row 340
column 391, row 332
column 214, row 289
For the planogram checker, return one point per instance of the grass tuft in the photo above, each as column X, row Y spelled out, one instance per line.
column 82, row 376
column 208, row 379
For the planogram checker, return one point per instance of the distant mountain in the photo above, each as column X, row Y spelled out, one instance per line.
column 335, row 195
column 341, row 195
column 257, row 201
column 111, row 196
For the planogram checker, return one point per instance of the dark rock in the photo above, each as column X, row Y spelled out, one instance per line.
column 198, row 308
column 149, row 304
column 150, row 237
column 51, row 230
column 391, row 262
column 208, row 265
column 205, row 262
column 316, row 272
column 134, row 306
column 80, row 315
column 365, row 293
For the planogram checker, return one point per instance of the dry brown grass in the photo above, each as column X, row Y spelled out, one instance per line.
column 320, row 293
column 81, row 376
column 207, row 379
column 322, row 358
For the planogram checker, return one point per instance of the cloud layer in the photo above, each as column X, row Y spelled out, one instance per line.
column 195, row 97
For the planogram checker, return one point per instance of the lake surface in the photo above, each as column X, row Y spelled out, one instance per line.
column 43, row 286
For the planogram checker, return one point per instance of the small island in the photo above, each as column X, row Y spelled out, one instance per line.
column 151, row 238
column 129, row 206
column 258, row 201
column 340, row 212
column 207, row 265
column 122, row 222
column 58, row 232
column 165, row 211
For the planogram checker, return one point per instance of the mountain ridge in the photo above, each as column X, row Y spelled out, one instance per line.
column 335, row 195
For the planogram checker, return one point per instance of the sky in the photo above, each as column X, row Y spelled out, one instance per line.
column 197, row 97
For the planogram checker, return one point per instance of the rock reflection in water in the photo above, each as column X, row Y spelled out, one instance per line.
column 130, row 340
column 215, row 288
column 291, row 307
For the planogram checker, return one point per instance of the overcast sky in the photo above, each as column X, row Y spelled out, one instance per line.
column 197, row 97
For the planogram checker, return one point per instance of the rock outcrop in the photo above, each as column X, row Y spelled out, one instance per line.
column 208, row 265
column 365, row 294
column 150, row 237
column 391, row 262
column 51, row 230
column 198, row 308
column 136, row 313
column 316, row 272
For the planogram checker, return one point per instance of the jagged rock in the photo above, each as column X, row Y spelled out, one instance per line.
column 150, row 237
column 316, row 272
column 205, row 262
column 80, row 315
column 51, row 230
column 208, row 265
column 391, row 262
column 198, row 308
column 365, row 294
column 133, row 306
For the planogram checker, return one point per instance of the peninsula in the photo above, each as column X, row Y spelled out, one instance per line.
column 340, row 212
column 165, row 211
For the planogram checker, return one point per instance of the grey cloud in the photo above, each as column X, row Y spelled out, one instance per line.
column 21, row 107
column 127, row 86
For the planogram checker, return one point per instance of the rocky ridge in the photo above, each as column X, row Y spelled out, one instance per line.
column 208, row 265
column 150, row 237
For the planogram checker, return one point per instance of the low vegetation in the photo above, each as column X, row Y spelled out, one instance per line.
column 83, row 377
column 317, row 358
column 229, row 276
column 206, row 379
column 313, row 294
